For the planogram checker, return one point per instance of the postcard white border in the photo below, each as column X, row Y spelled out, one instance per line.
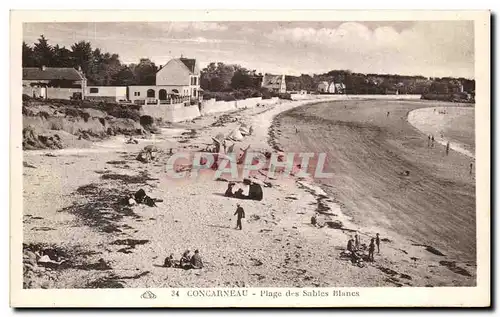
column 369, row 297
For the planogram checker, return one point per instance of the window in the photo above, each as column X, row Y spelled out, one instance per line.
column 94, row 90
column 151, row 93
column 137, row 93
column 194, row 92
column 194, row 81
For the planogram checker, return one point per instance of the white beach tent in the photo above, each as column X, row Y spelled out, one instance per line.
column 235, row 135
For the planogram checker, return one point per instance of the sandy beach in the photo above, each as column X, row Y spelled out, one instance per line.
column 72, row 204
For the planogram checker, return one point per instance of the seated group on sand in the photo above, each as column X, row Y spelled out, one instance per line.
column 186, row 262
column 254, row 192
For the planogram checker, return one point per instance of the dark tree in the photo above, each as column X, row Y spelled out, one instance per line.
column 28, row 56
column 43, row 52
column 242, row 79
column 62, row 57
column 124, row 77
column 145, row 72
column 82, row 55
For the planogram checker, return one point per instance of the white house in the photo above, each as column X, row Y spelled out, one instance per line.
column 326, row 87
column 179, row 79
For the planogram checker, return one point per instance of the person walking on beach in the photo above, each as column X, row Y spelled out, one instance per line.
column 429, row 140
column 447, row 147
column 377, row 240
column 240, row 213
column 432, row 141
column 371, row 250
column 388, row 113
column 470, row 168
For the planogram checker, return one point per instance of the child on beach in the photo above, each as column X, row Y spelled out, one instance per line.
column 377, row 240
column 185, row 259
column 371, row 250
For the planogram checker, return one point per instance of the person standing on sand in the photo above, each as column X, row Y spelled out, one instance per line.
column 432, row 141
column 356, row 241
column 470, row 168
column 371, row 250
column 447, row 147
column 388, row 113
column 240, row 213
column 429, row 140
column 350, row 245
column 377, row 240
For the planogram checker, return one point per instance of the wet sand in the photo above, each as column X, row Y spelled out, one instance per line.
column 367, row 150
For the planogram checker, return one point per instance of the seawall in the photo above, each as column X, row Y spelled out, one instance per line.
column 171, row 113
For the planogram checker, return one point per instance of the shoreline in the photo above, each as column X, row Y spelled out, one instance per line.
column 414, row 119
column 326, row 187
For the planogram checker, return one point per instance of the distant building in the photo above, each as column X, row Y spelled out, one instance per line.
column 340, row 88
column 179, row 79
column 275, row 83
column 392, row 92
column 323, row 87
column 106, row 93
column 54, row 82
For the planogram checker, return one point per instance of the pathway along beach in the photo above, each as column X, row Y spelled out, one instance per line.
column 369, row 144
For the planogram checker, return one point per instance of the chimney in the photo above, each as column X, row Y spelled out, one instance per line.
column 43, row 68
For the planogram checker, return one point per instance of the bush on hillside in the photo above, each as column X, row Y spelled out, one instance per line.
column 285, row 95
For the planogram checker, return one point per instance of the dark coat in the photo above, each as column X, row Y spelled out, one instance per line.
column 240, row 212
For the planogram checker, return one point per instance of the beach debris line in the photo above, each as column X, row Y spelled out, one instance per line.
column 26, row 164
column 131, row 140
column 148, row 153
column 140, row 197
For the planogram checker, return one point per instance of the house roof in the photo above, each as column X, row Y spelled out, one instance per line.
column 272, row 79
column 51, row 73
column 190, row 63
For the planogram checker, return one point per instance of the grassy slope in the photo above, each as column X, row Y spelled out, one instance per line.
column 367, row 150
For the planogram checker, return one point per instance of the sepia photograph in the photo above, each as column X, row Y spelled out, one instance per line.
column 318, row 156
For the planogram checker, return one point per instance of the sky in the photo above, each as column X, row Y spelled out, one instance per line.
column 428, row 48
